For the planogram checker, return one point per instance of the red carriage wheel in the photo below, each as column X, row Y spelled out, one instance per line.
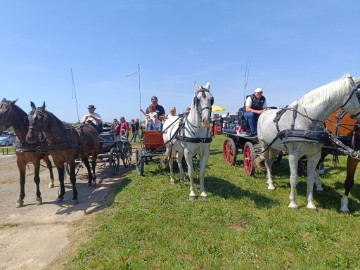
column 249, row 157
column 230, row 151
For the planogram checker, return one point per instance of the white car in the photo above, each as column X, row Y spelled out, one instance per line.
column 6, row 140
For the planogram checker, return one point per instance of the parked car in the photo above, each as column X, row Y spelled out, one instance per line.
column 6, row 140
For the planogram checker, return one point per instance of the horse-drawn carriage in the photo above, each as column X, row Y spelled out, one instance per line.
column 111, row 151
column 151, row 148
column 238, row 141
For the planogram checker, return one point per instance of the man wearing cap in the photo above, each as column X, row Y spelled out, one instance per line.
column 158, row 109
column 255, row 105
column 92, row 118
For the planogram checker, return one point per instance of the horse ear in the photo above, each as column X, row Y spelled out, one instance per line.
column 32, row 104
column 196, row 87
column 13, row 102
column 207, row 86
column 43, row 106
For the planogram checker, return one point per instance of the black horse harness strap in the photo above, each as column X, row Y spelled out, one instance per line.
column 20, row 148
column 299, row 135
column 280, row 113
column 193, row 140
column 296, row 135
column 345, row 149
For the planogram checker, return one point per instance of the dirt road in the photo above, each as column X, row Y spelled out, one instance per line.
column 32, row 237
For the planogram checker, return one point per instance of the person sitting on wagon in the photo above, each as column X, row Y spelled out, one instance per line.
column 255, row 105
column 92, row 118
column 150, row 116
column 158, row 109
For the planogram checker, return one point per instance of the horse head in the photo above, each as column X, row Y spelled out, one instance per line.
column 352, row 104
column 37, row 119
column 202, row 102
column 7, row 115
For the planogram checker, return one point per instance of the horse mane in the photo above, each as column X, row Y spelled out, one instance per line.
column 326, row 92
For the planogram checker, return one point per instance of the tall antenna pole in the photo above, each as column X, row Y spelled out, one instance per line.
column 247, row 68
column 73, row 94
column 138, row 72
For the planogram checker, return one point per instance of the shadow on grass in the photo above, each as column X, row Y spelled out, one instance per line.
column 225, row 189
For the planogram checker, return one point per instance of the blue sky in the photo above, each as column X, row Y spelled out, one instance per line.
column 291, row 47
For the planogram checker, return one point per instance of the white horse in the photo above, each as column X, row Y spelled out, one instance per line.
column 189, row 135
column 281, row 130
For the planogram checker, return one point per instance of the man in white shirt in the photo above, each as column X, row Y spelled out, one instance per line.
column 92, row 118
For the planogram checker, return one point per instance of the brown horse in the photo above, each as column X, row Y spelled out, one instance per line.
column 66, row 143
column 345, row 128
column 12, row 115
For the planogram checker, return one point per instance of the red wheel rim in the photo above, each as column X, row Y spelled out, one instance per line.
column 228, row 152
column 247, row 160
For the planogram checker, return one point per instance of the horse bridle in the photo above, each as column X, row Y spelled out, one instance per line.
column 32, row 127
column 202, row 91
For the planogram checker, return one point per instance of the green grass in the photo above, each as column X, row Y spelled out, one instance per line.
column 150, row 224
column 7, row 150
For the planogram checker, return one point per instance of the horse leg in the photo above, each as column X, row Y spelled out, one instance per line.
column 349, row 182
column 268, row 165
column 60, row 168
column 93, row 167
column 73, row 182
column 37, row 182
column 169, row 153
column 180, row 156
column 49, row 166
column 318, row 184
column 90, row 176
column 293, row 163
column 22, row 170
column 189, row 162
column 311, row 167
column 203, row 160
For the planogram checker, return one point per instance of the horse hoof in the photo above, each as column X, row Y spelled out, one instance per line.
column 192, row 198
column 293, row 206
column 271, row 187
column 311, row 207
column 59, row 200
column 38, row 201
column 75, row 202
column 172, row 182
column 51, row 185
column 19, row 204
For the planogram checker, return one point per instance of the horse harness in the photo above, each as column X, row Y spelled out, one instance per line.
column 297, row 135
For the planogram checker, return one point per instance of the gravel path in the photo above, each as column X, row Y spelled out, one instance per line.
column 32, row 237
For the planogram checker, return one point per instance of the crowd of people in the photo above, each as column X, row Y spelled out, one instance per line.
column 155, row 116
